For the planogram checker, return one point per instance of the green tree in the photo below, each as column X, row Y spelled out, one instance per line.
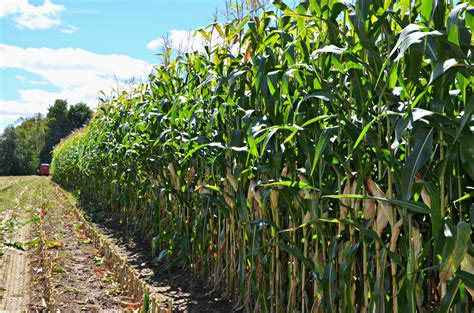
column 20, row 146
column 8, row 156
column 78, row 115
column 57, row 125
column 31, row 134
column 24, row 147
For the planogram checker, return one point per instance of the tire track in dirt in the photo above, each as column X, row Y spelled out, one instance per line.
column 79, row 278
column 14, row 266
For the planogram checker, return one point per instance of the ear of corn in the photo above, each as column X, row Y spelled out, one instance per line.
column 241, row 161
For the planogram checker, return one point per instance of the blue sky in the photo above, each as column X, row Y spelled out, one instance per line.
column 71, row 49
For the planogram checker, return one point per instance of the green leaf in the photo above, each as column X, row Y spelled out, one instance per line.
column 288, row 183
column 465, row 197
column 468, row 111
column 437, row 222
column 272, row 81
column 307, row 123
column 323, row 141
column 454, row 22
column 427, row 9
column 414, row 206
column 410, row 35
column 448, row 299
column 453, row 255
column 467, row 278
column 318, row 95
column 442, row 68
column 295, row 253
column 420, row 154
column 317, row 119
column 467, row 151
column 17, row 245
column 330, row 49
column 363, row 132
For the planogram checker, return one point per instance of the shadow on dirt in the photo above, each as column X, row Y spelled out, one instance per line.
column 188, row 291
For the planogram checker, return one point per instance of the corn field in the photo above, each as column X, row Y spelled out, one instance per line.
column 317, row 159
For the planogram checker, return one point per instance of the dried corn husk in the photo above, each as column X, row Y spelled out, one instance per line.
column 257, row 198
column 424, row 195
column 369, row 208
column 174, row 178
column 381, row 222
column 383, row 211
column 313, row 195
column 395, row 233
column 274, row 199
column 304, row 193
column 355, row 203
column 227, row 193
column 251, row 191
column 200, row 186
column 231, row 180
column 307, row 217
column 191, row 174
column 417, row 240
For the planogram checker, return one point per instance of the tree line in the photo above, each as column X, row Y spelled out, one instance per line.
column 28, row 144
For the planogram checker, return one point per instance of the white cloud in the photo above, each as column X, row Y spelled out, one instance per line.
column 19, row 77
column 155, row 44
column 69, row 29
column 26, row 15
column 14, row 109
column 7, row 119
column 69, row 68
column 183, row 40
column 11, row 111
column 78, row 74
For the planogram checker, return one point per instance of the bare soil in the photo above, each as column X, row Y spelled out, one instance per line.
column 80, row 279
column 189, row 292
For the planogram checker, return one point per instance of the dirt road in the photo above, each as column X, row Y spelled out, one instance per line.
column 15, row 230
column 46, row 261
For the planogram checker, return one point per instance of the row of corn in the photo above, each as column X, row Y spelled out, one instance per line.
column 319, row 158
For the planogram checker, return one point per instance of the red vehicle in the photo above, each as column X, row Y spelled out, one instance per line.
column 44, row 169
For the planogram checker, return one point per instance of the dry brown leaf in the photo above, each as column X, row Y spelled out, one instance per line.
column 424, row 195
column 251, row 191
column 369, row 208
column 355, row 203
column 231, row 180
column 248, row 52
column 191, row 174
column 383, row 211
column 130, row 305
column 467, row 265
column 395, row 233
column 274, row 199
column 417, row 240
column 305, row 192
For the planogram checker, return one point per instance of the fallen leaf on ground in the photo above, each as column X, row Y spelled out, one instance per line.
column 53, row 244
column 130, row 305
